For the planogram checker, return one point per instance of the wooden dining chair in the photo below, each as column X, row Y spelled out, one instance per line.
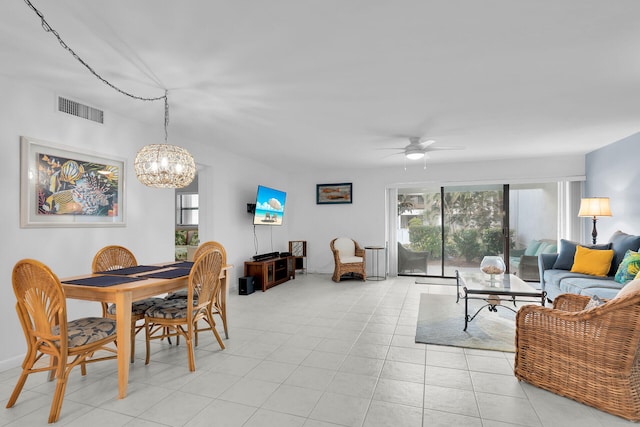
column 218, row 305
column 42, row 311
column 179, row 317
column 112, row 258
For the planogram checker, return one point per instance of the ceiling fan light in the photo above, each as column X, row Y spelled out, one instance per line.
column 414, row 154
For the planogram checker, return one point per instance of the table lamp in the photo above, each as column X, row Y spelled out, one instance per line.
column 594, row 207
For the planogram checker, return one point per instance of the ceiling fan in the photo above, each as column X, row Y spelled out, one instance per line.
column 419, row 147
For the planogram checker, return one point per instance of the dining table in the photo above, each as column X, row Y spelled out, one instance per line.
column 123, row 289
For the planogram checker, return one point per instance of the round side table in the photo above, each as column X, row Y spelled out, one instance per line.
column 375, row 262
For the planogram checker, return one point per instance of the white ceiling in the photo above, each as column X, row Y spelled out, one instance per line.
column 329, row 83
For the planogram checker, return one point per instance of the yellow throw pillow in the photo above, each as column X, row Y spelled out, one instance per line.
column 592, row 261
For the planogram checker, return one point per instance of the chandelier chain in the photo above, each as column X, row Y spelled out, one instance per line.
column 49, row 29
column 166, row 115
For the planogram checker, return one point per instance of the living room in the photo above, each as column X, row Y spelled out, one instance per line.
column 228, row 180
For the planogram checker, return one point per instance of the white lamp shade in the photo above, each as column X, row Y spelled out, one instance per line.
column 595, row 206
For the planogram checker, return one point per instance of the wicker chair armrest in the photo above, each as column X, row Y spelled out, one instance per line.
column 570, row 302
column 360, row 252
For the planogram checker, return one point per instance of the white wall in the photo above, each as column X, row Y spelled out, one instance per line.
column 364, row 219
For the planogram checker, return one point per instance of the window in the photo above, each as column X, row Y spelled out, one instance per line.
column 187, row 209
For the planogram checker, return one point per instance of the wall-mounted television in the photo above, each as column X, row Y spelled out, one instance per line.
column 269, row 206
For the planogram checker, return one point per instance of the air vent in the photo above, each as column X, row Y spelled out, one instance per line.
column 80, row 110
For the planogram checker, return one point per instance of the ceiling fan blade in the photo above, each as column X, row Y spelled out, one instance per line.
column 445, row 148
column 393, row 154
column 425, row 143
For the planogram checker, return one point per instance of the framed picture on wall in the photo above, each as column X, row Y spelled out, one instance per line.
column 63, row 187
column 331, row 194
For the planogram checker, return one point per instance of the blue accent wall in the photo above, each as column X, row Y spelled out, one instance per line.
column 614, row 171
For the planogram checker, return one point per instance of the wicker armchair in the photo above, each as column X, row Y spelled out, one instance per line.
column 589, row 355
column 349, row 258
column 411, row 260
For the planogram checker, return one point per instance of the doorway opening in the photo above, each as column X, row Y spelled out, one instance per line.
column 187, row 220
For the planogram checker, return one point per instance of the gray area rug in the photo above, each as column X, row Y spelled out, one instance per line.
column 441, row 322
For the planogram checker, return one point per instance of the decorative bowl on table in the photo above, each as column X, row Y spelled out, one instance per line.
column 493, row 266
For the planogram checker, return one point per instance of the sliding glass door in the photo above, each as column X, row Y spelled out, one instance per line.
column 444, row 229
column 473, row 223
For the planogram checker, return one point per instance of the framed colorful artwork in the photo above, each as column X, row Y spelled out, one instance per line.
column 331, row 194
column 63, row 187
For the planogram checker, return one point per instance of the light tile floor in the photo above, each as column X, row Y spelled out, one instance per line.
column 313, row 353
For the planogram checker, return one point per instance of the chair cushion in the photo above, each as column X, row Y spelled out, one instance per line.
column 630, row 288
column 87, row 330
column 629, row 267
column 591, row 261
column 182, row 293
column 138, row 308
column 169, row 309
column 350, row 259
column 595, row 301
column 345, row 247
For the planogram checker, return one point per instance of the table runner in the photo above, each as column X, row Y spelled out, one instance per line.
column 168, row 274
column 103, row 281
column 183, row 264
column 132, row 270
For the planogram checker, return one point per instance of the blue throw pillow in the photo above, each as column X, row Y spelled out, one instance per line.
column 621, row 243
column 568, row 252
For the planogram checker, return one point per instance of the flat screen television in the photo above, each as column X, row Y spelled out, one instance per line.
column 269, row 206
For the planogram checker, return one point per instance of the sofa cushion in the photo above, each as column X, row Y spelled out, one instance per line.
column 578, row 285
column 629, row 267
column 553, row 277
column 592, row 261
column 192, row 238
column 605, row 293
column 546, row 248
column 621, row 243
column 568, row 252
column 532, row 247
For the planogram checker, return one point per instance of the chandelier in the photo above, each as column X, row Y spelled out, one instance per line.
column 156, row 165
column 164, row 165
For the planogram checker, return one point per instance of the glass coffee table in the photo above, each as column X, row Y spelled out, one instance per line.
column 505, row 288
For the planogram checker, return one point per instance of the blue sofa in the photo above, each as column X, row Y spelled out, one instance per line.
column 556, row 277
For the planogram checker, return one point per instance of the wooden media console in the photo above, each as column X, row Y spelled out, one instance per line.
column 271, row 272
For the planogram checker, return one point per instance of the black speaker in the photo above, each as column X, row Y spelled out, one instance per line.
column 245, row 285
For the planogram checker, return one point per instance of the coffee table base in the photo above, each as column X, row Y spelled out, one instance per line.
column 512, row 290
column 492, row 305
